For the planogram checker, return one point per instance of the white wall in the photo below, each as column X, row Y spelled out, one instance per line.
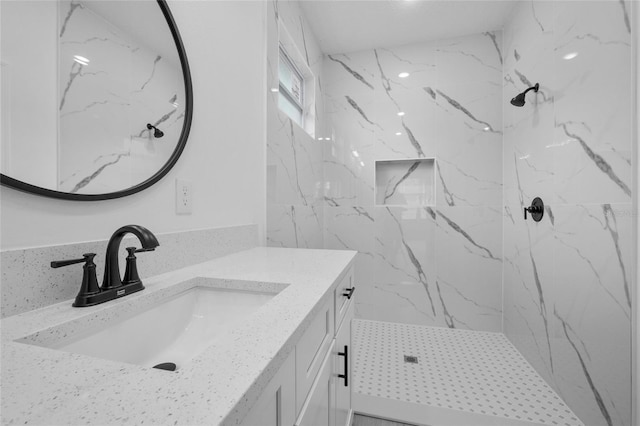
column 224, row 156
column 636, row 209
column 29, row 96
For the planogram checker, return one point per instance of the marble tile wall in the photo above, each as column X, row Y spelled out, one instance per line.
column 566, row 301
column 28, row 282
column 294, row 157
column 568, row 279
column 421, row 261
column 123, row 79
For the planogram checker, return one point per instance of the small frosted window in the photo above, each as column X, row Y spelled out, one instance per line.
column 290, row 108
column 291, row 88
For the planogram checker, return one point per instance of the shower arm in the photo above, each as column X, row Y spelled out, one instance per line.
column 534, row 88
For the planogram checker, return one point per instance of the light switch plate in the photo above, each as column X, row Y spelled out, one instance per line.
column 184, row 196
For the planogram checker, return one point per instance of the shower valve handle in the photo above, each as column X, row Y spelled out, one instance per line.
column 531, row 209
column 536, row 209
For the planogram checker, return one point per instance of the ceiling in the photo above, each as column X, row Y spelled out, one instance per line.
column 343, row 26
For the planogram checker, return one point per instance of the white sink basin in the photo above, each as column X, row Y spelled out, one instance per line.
column 174, row 331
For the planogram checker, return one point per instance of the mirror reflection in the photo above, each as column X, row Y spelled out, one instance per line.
column 93, row 97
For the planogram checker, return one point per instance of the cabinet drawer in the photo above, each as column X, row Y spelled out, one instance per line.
column 311, row 350
column 318, row 409
column 343, row 294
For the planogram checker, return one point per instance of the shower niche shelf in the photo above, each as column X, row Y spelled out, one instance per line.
column 406, row 182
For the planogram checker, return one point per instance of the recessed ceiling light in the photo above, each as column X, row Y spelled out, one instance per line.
column 487, row 128
column 403, row 75
column 320, row 139
column 401, row 113
column 355, row 153
column 362, row 164
column 275, row 89
column 327, row 139
column 398, row 134
column 81, row 60
column 570, row 56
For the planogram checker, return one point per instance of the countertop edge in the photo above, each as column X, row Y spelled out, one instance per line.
column 250, row 397
column 232, row 407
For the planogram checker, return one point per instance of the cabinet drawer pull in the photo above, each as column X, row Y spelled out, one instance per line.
column 345, row 376
column 349, row 292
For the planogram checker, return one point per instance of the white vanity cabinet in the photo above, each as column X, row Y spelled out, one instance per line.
column 342, row 360
column 277, row 403
column 313, row 387
column 329, row 400
column 319, row 408
column 311, row 351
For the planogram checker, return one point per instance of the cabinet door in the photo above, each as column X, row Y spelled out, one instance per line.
column 343, row 356
column 312, row 349
column 276, row 406
column 319, row 408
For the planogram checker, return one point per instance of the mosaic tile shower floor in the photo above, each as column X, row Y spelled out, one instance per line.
column 472, row 371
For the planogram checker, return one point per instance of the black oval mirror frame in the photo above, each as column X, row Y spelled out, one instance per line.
column 182, row 141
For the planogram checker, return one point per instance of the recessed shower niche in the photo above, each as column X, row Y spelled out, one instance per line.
column 407, row 182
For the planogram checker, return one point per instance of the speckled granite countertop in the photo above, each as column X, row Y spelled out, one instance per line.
column 219, row 386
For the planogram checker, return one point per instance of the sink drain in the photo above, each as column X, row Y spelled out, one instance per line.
column 169, row 366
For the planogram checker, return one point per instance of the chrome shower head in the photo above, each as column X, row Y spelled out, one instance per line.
column 519, row 99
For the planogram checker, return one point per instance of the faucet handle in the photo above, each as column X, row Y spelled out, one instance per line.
column 142, row 250
column 131, row 271
column 89, row 284
column 87, row 258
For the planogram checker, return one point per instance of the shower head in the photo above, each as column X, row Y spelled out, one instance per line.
column 519, row 99
column 157, row 133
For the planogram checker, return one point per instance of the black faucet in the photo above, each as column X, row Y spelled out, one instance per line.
column 111, row 264
column 112, row 285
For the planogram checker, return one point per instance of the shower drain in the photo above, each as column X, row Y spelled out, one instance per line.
column 411, row 359
column 472, row 371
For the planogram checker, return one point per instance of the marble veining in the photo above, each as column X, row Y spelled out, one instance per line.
column 592, row 387
column 566, row 279
column 464, row 110
column 600, row 162
column 73, row 5
column 462, row 232
column 355, row 74
column 153, row 71
column 88, row 179
column 295, row 175
column 389, row 192
column 375, row 115
column 406, row 182
column 566, row 297
column 121, row 78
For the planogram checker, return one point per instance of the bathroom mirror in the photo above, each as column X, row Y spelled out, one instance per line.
column 96, row 96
